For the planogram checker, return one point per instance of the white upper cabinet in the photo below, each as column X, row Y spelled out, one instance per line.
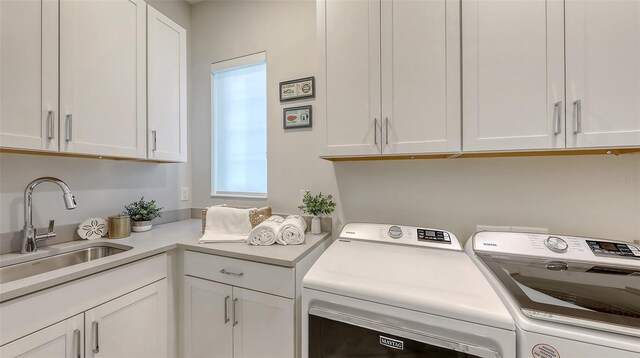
column 513, row 74
column 29, row 74
column 167, row 88
column 103, row 77
column 391, row 72
column 420, row 76
column 349, row 75
column 603, row 73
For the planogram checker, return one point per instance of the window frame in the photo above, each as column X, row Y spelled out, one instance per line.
column 227, row 65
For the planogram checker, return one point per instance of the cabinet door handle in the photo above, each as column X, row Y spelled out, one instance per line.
column 50, row 133
column 154, row 135
column 226, row 310
column 386, row 130
column 235, row 320
column 95, row 337
column 557, row 117
column 577, row 116
column 76, row 341
column 224, row 271
column 375, row 131
column 69, row 121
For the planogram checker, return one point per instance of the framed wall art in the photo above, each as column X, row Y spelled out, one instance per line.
column 297, row 117
column 303, row 88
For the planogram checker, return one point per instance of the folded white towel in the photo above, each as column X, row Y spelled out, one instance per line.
column 226, row 224
column 265, row 233
column 292, row 230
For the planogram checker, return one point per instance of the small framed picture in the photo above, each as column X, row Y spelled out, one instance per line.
column 302, row 88
column 297, row 117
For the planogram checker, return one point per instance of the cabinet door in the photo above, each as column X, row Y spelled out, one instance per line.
column 167, row 89
column 263, row 325
column 421, row 76
column 29, row 74
column 350, row 68
column 63, row 339
column 207, row 319
column 103, row 77
column 603, row 73
column 133, row 325
column 513, row 74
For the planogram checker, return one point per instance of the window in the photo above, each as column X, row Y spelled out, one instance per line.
column 239, row 127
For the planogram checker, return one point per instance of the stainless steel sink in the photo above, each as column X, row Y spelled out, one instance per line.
column 58, row 261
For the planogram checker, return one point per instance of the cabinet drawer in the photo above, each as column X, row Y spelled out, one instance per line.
column 252, row 275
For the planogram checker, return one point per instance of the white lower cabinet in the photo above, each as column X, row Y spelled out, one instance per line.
column 63, row 339
column 134, row 325
column 263, row 324
column 226, row 321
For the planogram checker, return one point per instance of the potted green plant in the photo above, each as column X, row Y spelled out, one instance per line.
column 317, row 205
column 141, row 213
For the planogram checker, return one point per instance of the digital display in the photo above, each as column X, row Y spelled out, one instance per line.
column 433, row 236
column 601, row 248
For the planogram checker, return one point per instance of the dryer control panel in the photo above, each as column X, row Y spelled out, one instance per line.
column 401, row 235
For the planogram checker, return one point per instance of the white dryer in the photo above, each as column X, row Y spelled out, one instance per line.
column 570, row 296
column 401, row 291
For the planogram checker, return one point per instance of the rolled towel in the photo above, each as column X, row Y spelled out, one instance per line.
column 265, row 233
column 275, row 218
column 225, row 224
column 292, row 230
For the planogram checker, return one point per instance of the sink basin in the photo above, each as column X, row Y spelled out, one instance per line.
column 57, row 261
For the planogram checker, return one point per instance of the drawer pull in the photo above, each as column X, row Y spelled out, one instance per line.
column 224, row 271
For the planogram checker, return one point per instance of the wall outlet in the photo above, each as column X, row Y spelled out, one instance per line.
column 184, row 193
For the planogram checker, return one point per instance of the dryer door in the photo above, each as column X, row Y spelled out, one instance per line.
column 333, row 334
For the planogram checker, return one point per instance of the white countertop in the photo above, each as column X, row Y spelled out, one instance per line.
column 162, row 238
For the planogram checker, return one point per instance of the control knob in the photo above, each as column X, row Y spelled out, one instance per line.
column 556, row 244
column 395, row 232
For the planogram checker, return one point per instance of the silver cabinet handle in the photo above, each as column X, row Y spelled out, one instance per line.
column 557, row 117
column 375, row 131
column 95, row 338
column 235, row 320
column 76, row 341
column 154, row 135
column 226, row 310
column 224, row 271
column 577, row 116
column 50, row 126
column 69, row 125
column 386, row 130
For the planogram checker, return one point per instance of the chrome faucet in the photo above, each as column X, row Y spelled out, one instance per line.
column 30, row 238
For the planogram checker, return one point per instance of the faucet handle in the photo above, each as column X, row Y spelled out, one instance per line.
column 51, row 224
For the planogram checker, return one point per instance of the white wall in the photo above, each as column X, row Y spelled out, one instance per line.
column 102, row 187
column 589, row 195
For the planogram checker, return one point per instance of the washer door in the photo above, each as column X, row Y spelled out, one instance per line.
column 333, row 334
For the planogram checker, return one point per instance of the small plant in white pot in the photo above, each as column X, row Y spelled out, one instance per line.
column 141, row 213
column 317, row 205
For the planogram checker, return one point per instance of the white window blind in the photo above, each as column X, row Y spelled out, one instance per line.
column 239, row 138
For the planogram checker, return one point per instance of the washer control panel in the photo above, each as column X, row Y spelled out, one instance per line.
column 401, row 235
column 561, row 247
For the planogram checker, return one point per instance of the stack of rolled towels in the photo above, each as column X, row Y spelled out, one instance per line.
column 276, row 229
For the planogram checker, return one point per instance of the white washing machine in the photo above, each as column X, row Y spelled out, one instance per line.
column 401, row 291
column 570, row 296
